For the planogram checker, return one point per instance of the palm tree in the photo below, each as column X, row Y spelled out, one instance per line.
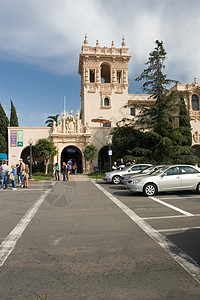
column 51, row 119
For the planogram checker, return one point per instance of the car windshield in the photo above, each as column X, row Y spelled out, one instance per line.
column 123, row 169
column 158, row 171
column 147, row 170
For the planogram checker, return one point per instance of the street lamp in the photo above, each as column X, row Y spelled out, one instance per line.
column 109, row 142
column 110, row 155
column 31, row 158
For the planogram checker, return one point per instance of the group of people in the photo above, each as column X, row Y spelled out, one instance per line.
column 19, row 172
column 122, row 165
column 66, row 169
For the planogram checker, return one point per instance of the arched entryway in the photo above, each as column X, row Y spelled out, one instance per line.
column 103, row 159
column 25, row 155
column 73, row 153
column 37, row 163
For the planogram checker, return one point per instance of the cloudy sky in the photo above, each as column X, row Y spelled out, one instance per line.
column 40, row 43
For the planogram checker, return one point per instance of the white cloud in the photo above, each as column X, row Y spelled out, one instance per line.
column 50, row 33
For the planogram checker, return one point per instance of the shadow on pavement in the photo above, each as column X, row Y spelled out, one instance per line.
column 189, row 242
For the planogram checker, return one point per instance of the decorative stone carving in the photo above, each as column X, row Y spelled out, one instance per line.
column 123, row 42
column 86, row 75
column 125, row 76
column 113, row 76
column 85, row 40
column 196, row 137
column 69, row 125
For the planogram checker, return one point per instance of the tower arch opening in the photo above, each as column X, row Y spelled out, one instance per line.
column 73, row 153
column 105, row 73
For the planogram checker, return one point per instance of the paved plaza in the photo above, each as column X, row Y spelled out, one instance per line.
column 85, row 239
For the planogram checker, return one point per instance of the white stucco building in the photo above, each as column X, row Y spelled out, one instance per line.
column 104, row 93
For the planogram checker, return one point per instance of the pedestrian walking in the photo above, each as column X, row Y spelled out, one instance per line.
column 1, row 175
column 70, row 163
column 4, row 171
column 56, row 168
column 21, row 171
column 13, row 176
column 64, row 171
column 75, row 168
column 68, row 171
column 26, row 176
column 18, row 172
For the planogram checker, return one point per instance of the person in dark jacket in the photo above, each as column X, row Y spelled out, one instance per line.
column 1, row 176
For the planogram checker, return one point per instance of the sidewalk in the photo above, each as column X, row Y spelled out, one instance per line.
column 79, row 177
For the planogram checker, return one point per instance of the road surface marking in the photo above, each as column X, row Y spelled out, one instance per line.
column 178, row 229
column 170, row 217
column 176, row 253
column 180, row 197
column 10, row 241
column 171, row 206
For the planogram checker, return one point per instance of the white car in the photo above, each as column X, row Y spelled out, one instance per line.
column 144, row 172
column 167, row 179
column 115, row 176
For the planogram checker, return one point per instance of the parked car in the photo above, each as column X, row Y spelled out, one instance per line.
column 115, row 176
column 144, row 172
column 167, row 178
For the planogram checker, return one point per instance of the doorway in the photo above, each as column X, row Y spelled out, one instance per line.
column 73, row 153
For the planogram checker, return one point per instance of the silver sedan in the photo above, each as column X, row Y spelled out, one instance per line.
column 115, row 176
column 145, row 172
column 167, row 178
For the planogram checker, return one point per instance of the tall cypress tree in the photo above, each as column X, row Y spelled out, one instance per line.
column 13, row 116
column 3, row 144
column 155, row 83
column 4, row 123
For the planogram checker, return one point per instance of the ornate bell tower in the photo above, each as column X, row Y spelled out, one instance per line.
column 104, row 82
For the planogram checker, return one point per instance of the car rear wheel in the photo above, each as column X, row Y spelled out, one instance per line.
column 150, row 189
column 198, row 188
column 116, row 179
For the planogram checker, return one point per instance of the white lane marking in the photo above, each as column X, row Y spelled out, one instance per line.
column 170, row 217
column 171, row 206
column 10, row 241
column 23, row 190
column 176, row 253
column 179, row 229
column 180, row 197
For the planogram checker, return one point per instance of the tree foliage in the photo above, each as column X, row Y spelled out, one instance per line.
column 184, row 123
column 90, row 153
column 13, row 116
column 3, row 144
column 164, row 134
column 156, row 83
column 45, row 149
column 4, row 123
column 51, row 119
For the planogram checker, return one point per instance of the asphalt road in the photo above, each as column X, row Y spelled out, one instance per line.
column 91, row 240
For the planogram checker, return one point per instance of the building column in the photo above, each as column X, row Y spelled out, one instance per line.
column 83, row 164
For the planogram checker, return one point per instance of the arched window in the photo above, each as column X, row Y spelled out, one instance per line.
column 195, row 102
column 106, row 102
column 105, row 73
